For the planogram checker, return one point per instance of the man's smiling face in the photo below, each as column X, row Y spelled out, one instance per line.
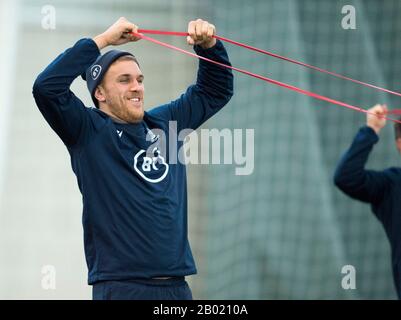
column 121, row 93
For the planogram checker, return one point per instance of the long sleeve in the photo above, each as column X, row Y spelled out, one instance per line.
column 64, row 112
column 351, row 176
column 211, row 92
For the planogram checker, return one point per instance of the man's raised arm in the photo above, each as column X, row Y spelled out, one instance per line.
column 65, row 113
column 351, row 176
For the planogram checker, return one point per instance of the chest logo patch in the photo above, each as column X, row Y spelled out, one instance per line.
column 152, row 169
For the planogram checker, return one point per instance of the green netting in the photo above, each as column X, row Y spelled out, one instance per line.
column 285, row 231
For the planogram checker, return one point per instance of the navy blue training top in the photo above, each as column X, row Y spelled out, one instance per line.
column 134, row 208
column 382, row 189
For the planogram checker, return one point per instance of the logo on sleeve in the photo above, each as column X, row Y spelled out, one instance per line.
column 151, row 168
column 95, row 71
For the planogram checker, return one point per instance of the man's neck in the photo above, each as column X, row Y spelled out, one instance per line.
column 113, row 117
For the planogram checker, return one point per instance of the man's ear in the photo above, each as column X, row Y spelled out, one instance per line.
column 100, row 94
column 398, row 144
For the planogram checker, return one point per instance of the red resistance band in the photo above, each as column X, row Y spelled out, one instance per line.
column 281, row 84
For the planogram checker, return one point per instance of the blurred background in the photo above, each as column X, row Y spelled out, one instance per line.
column 283, row 232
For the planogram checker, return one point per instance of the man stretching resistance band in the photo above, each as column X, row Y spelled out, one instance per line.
column 382, row 189
column 134, row 201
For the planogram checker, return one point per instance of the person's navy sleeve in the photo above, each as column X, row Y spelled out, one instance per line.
column 211, row 92
column 351, row 176
column 64, row 112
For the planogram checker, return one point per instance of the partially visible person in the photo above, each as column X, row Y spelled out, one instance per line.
column 381, row 189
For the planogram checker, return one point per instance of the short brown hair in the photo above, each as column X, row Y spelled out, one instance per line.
column 128, row 58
